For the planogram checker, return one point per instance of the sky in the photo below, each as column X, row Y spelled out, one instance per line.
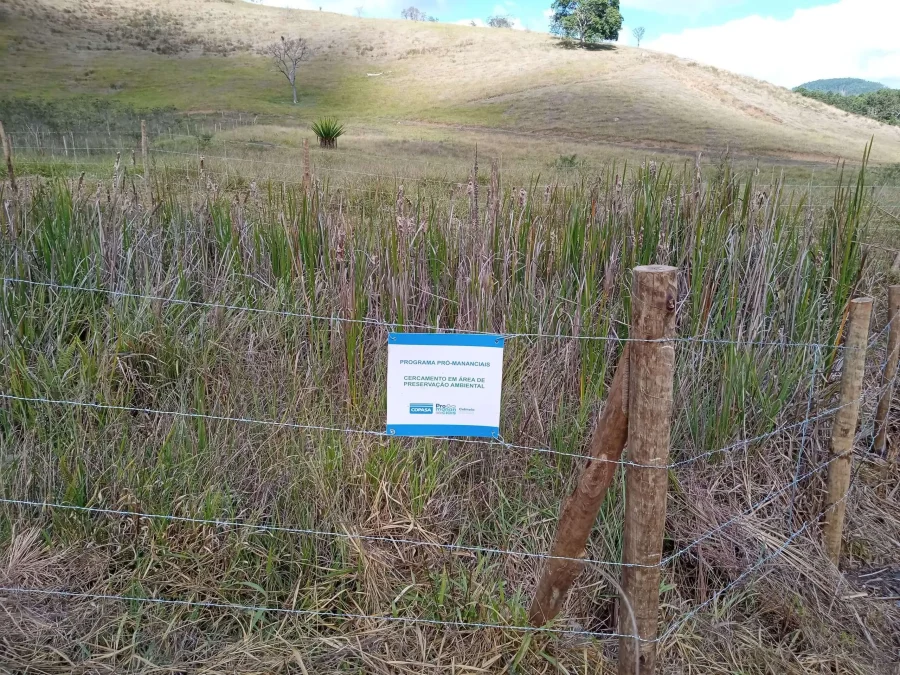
column 787, row 42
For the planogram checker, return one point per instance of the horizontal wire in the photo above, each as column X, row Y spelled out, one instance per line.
column 761, row 437
column 881, row 333
column 762, row 561
column 384, row 434
column 399, row 540
column 416, row 620
column 749, row 512
column 294, row 530
column 387, row 324
column 322, row 613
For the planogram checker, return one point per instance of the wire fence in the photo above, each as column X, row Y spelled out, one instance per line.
column 460, row 625
column 202, row 151
column 772, row 553
column 256, row 528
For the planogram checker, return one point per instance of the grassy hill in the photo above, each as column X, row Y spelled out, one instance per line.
column 204, row 56
column 846, row 86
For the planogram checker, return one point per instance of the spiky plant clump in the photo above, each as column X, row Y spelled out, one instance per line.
column 328, row 130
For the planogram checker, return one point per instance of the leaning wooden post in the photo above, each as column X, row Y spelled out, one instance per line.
column 844, row 427
column 7, row 155
column 579, row 513
column 145, row 149
column 890, row 372
column 650, row 391
column 307, row 177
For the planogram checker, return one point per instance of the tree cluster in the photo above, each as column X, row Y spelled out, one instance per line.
column 882, row 105
column 500, row 21
column 587, row 21
column 416, row 14
column 848, row 86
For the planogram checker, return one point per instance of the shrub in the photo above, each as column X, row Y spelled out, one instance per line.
column 328, row 130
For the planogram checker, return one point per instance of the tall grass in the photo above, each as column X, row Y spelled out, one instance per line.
column 759, row 271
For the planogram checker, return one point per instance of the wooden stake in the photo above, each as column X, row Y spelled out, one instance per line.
column 307, row 178
column 145, row 149
column 890, row 372
column 7, row 155
column 579, row 513
column 651, row 371
column 844, row 428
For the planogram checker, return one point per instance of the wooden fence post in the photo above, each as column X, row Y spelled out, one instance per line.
column 579, row 512
column 651, row 373
column 844, row 427
column 890, row 372
column 145, row 149
column 7, row 156
column 307, row 177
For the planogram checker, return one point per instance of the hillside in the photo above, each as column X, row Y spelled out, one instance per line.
column 846, row 86
column 204, row 56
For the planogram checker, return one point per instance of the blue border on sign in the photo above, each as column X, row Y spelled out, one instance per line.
column 442, row 430
column 447, row 339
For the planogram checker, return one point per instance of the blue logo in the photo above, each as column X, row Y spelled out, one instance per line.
column 421, row 409
column 442, row 409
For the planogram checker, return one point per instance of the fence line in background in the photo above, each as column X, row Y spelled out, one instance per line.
column 199, row 154
column 413, row 181
column 363, row 154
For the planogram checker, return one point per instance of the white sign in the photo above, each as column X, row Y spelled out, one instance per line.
column 444, row 384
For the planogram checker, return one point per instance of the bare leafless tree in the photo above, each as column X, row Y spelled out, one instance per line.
column 413, row 14
column 286, row 56
column 638, row 34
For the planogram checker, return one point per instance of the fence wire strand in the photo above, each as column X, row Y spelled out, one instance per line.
column 393, row 325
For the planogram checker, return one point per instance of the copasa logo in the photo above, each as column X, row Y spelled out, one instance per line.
column 421, row 409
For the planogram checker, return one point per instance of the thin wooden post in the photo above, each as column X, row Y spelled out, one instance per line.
column 7, row 156
column 651, row 372
column 307, row 178
column 579, row 513
column 844, row 427
column 145, row 149
column 890, row 372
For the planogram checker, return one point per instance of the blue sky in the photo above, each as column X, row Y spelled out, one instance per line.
column 786, row 42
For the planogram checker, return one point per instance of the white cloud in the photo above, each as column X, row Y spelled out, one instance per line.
column 548, row 13
column 850, row 38
column 679, row 7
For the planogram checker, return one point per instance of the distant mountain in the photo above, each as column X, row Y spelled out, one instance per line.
column 846, row 86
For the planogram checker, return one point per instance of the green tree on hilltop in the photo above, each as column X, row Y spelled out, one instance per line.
column 586, row 20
